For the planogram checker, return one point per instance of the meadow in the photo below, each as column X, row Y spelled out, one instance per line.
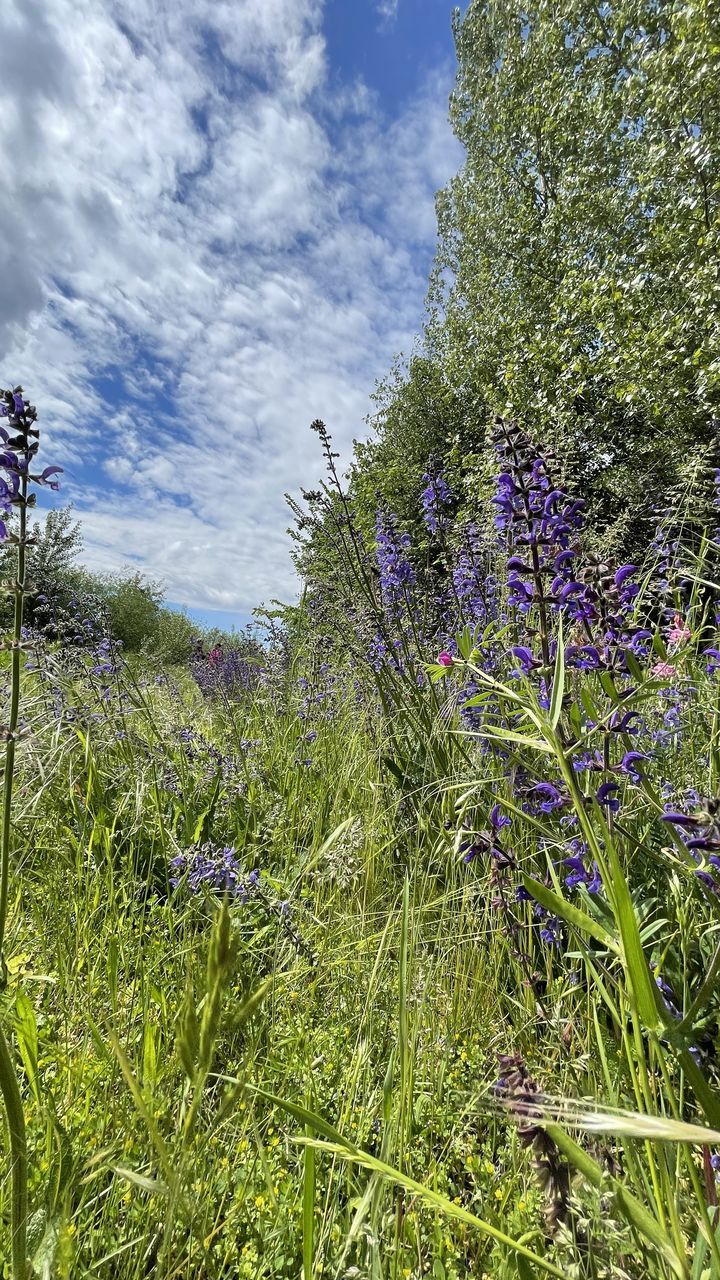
column 386, row 947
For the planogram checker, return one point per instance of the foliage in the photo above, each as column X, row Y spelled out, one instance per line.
column 576, row 277
column 171, row 638
column 578, row 260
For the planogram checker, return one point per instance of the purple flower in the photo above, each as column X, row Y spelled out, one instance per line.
column 549, row 797
column 585, row 657
column 498, row 819
column 623, row 573
column 630, row 765
column 397, row 575
column 550, row 931
column 624, row 722
column 435, row 496
column 606, row 796
column 525, row 657
column 713, row 660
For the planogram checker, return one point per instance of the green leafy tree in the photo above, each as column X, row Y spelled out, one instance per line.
column 134, row 609
column 577, row 280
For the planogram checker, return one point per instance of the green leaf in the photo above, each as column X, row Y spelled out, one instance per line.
column 643, row 990
column 27, row 1038
column 308, row 1210
column 558, row 688
column 508, row 735
column 568, row 912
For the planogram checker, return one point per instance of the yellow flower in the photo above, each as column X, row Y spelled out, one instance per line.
column 489, row 1167
column 499, row 1193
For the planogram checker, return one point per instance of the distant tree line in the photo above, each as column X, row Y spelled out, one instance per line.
column 73, row 604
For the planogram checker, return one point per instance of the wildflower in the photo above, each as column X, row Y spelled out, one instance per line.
column 550, row 931
column 679, row 632
column 630, row 764
column 210, row 866
column 528, row 662
column 546, row 797
column 435, row 496
column 625, row 722
column 487, row 841
column 605, row 796
column 498, row 819
column 662, row 670
column 585, row 657
column 578, row 872
column 397, row 575
column 445, row 659
column 713, row 660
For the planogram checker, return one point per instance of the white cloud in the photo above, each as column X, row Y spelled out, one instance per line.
column 189, row 217
column 388, row 9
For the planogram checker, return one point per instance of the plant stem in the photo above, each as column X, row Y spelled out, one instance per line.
column 18, row 1146
column 19, row 588
column 8, row 1080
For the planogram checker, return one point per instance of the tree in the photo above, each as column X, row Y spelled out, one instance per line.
column 577, row 278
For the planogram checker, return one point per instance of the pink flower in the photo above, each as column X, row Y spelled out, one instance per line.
column 679, row 632
column 445, row 659
column 663, row 669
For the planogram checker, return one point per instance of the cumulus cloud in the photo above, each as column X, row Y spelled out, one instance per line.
column 199, row 254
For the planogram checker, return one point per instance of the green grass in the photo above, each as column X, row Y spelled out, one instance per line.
column 205, row 1100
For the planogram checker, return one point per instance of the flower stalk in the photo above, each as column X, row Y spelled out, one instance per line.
column 20, row 447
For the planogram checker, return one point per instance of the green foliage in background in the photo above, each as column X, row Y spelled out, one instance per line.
column 577, row 280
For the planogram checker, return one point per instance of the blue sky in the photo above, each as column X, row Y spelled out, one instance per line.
column 220, row 229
